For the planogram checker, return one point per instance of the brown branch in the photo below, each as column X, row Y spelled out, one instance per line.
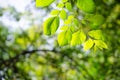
column 12, row 60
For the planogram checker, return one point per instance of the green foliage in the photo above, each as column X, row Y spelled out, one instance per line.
column 51, row 25
column 71, row 23
column 100, row 44
column 88, row 44
column 60, row 5
column 64, row 0
column 28, row 54
column 54, row 12
column 86, row 5
column 96, row 20
column 78, row 38
column 68, row 6
column 64, row 37
column 43, row 3
column 63, row 14
column 96, row 34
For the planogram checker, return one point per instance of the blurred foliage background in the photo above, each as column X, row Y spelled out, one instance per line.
column 27, row 54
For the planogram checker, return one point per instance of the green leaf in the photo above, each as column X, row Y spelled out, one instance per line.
column 51, row 25
column 95, row 48
column 72, row 28
column 101, row 44
column 60, row 5
column 70, row 17
column 88, row 44
column 86, row 5
column 64, row 28
column 78, row 38
column 43, row 3
column 68, row 6
column 97, row 20
column 76, row 22
column 64, row 37
column 63, row 14
column 67, row 22
column 96, row 34
column 54, row 12
column 64, row 0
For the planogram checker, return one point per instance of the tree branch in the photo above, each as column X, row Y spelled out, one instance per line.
column 12, row 60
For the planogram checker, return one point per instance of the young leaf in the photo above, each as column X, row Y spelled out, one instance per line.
column 43, row 3
column 64, row 0
column 88, row 44
column 54, row 12
column 64, row 28
column 76, row 22
column 75, row 38
column 86, row 5
column 68, row 6
column 78, row 38
column 70, row 17
column 95, row 48
column 64, row 37
column 96, row 34
column 101, row 44
column 60, row 5
column 97, row 20
column 63, row 14
column 51, row 25
column 68, row 21
column 72, row 28
column 83, row 36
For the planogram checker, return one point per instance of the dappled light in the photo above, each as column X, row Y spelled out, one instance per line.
column 59, row 40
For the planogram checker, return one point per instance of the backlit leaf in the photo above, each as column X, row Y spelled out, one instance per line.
column 96, row 34
column 64, row 37
column 67, row 21
column 88, row 44
column 101, row 44
column 64, row 0
column 43, row 3
column 60, row 5
column 76, row 22
column 97, row 20
column 63, row 14
column 70, row 17
column 78, row 38
column 54, row 12
column 86, row 5
column 68, row 6
column 64, row 28
column 51, row 25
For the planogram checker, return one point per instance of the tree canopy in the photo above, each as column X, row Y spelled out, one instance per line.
column 63, row 40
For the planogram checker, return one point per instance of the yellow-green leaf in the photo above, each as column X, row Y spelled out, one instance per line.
column 97, row 20
column 54, row 12
column 70, row 17
column 63, row 14
column 51, row 25
column 67, row 21
column 78, row 38
column 64, row 37
column 76, row 22
column 60, row 5
column 96, row 34
column 64, row 28
column 43, row 3
column 86, row 5
column 68, row 6
column 101, row 44
column 64, row 0
column 88, row 44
